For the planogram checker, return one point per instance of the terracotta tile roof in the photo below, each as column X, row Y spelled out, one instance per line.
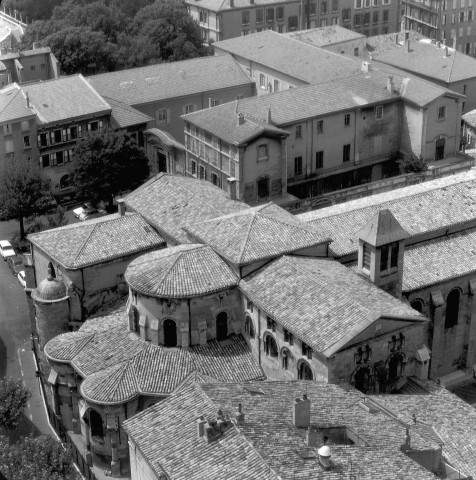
column 429, row 61
column 291, row 57
column 108, row 315
column 256, row 234
column 53, row 100
column 470, row 118
column 452, row 419
column 221, row 5
column 383, row 43
column 13, row 105
column 168, row 202
column 183, row 271
column 413, row 207
column 164, row 81
column 97, row 241
column 319, row 302
column 117, row 365
column 268, row 445
column 324, row 36
column 123, row 116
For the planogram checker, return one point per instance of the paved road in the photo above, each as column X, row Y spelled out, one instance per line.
column 16, row 356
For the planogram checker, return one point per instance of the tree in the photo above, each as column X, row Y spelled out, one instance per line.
column 106, row 163
column 41, row 458
column 410, row 163
column 23, row 191
column 13, row 399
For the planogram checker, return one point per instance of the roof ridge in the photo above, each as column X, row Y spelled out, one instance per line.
column 247, row 237
column 85, row 243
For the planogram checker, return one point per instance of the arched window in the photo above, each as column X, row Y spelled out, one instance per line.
column 222, row 326
column 64, row 182
column 136, row 318
column 305, row 372
column 396, row 365
column 249, row 328
column 286, row 358
column 417, row 305
column 270, row 346
column 95, row 423
column 452, row 308
column 170, row 333
column 51, row 270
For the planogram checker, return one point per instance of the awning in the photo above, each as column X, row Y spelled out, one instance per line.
column 164, row 138
column 423, row 354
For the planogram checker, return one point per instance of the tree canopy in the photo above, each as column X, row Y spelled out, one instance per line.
column 97, row 36
column 41, row 458
column 107, row 163
column 23, row 191
column 13, row 399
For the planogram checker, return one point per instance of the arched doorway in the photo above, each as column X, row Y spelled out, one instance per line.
column 305, row 372
column 64, row 182
column 396, row 365
column 95, row 423
column 452, row 308
column 440, row 149
column 161, row 161
column 363, row 378
column 222, row 326
column 170, row 333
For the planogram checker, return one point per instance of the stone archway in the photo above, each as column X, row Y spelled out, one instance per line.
column 222, row 326
column 170, row 333
column 305, row 371
column 396, row 365
column 362, row 378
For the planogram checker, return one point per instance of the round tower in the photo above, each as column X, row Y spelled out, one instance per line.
column 52, row 308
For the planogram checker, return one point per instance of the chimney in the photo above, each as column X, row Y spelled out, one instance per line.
column 366, row 67
column 240, row 416
column 231, row 188
column 302, row 412
column 241, row 119
column 201, row 426
column 325, row 456
column 407, row 46
column 390, row 84
column 268, row 117
column 121, row 207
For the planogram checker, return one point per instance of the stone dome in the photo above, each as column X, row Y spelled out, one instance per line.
column 50, row 290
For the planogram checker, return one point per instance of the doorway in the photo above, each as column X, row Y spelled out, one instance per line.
column 222, row 326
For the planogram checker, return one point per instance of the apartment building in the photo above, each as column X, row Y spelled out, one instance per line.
column 220, row 20
column 448, row 21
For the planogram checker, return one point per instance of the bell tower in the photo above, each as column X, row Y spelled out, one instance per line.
column 381, row 249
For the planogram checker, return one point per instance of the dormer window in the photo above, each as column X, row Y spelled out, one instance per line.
column 389, row 257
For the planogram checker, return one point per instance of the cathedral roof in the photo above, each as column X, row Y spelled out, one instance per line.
column 320, row 302
column 118, row 366
column 255, row 234
column 180, row 272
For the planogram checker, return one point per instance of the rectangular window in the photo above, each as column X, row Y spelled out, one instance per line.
column 215, row 179
column 445, row 5
column 453, row 18
column 188, row 108
column 8, row 145
column 385, row 16
column 347, row 120
column 378, row 112
column 68, row 156
column 43, row 66
column 280, row 13
column 470, row 15
column 262, row 80
column 386, row 2
column 443, row 19
column 259, row 15
column 298, row 131
column 33, row 68
column 384, row 250
column 262, row 152
column 324, row 7
column 462, row 2
column 442, row 113
column 346, row 153
column 320, row 126
column 465, row 89
column 366, row 257
column 270, row 14
column 215, row 102
column 346, row 15
column 292, row 22
column 375, row 15
column 53, row 159
column 358, row 3
column 193, row 167
column 461, row 16
column 460, row 34
column 244, row 33
column 376, row 3
column 394, row 255
column 367, row 3
column 298, row 166
column 7, row 129
column 335, row 6
column 26, row 141
column 468, row 33
column 357, row 20
column 312, row 8
column 161, row 116
column 59, row 158
column 454, row 4
column 45, row 160
column 280, row 28
column 323, row 22
column 94, row 126
column 245, row 17
column 43, row 140
column 319, row 159
column 202, row 172
column 389, row 257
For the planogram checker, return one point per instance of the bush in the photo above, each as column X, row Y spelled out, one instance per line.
column 409, row 163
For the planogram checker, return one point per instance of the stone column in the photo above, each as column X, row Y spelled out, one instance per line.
column 437, row 302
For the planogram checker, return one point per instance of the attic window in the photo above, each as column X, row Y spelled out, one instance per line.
column 389, row 257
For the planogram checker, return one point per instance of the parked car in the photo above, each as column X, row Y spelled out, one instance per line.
column 15, row 264
column 6, row 249
column 21, row 278
column 91, row 213
column 81, row 209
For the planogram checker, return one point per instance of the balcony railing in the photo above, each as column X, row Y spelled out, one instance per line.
column 421, row 5
column 344, row 167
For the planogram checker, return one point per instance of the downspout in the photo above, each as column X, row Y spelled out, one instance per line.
column 189, row 323
column 259, row 336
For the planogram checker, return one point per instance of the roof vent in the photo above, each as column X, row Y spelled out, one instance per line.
column 241, row 119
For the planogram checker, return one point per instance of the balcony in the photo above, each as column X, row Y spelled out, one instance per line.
column 344, row 167
column 422, row 5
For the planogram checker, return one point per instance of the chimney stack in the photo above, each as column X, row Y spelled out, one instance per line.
column 240, row 416
column 231, row 188
column 121, row 207
column 201, row 426
column 390, row 84
column 302, row 412
column 241, row 119
column 366, row 67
